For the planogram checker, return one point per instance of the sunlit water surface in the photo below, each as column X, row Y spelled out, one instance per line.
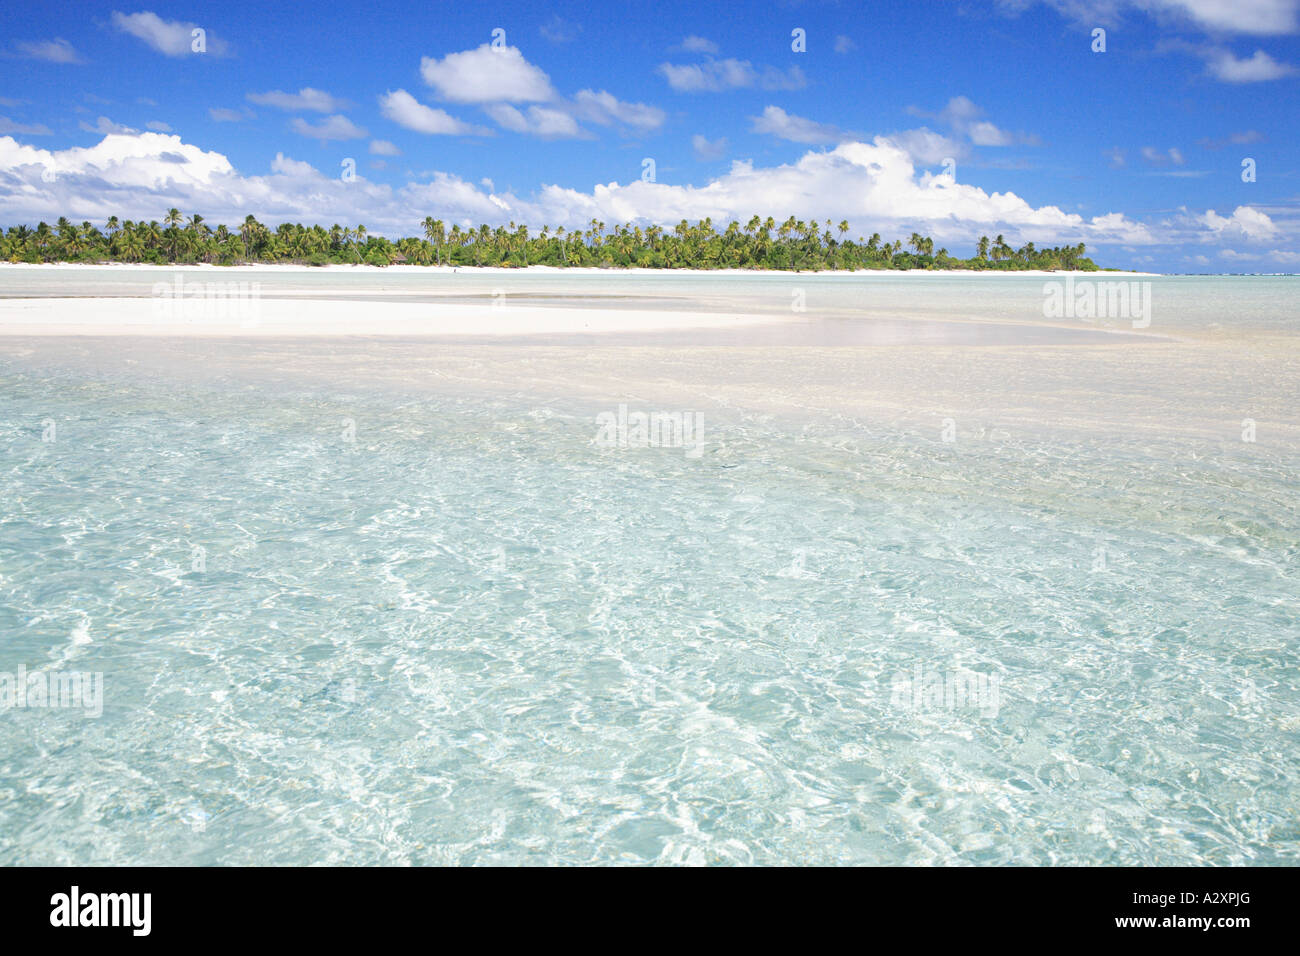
column 389, row 627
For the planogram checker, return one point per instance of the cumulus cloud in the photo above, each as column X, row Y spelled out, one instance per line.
column 330, row 128
column 405, row 110
column 317, row 101
column 605, row 109
column 1238, row 16
column 873, row 185
column 168, row 37
column 706, row 149
column 927, row 147
column 965, row 119
column 543, row 121
column 1224, row 65
column 698, row 44
column 517, row 95
column 136, row 173
column 1259, row 17
column 105, row 126
column 1245, row 222
column 57, row 50
column 714, row 76
column 777, row 122
column 382, row 147
column 158, row 126
column 487, row 75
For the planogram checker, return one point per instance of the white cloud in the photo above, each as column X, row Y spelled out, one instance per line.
column 331, row 127
column 1244, row 222
column 1235, row 16
column 964, row 118
column 294, row 168
column 57, row 50
column 984, row 133
column 715, row 76
column 1155, row 157
column 34, row 129
column 382, row 147
column 1258, row 17
column 777, row 122
column 1261, row 67
column 158, row 126
column 487, row 75
column 844, row 44
column 927, row 147
column 105, row 126
column 405, row 110
column 220, row 114
column 698, row 44
column 305, row 99
column 542, row 121
column 604, row 109
column 168, row 37
column 706, row 149
column 873, row 185
column 141, row 175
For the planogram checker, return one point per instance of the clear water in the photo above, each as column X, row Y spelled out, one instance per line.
column 470, row 635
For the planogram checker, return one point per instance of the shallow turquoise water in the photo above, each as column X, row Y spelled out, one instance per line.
column 473, row 636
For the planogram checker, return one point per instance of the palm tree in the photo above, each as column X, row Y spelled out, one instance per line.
column 758, row 243
column 251, row 234
column 132, row 244
column 72, row 240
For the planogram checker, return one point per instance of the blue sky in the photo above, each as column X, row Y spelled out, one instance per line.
column 1138, row 150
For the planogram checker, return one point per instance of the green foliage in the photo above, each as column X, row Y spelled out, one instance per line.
column 757, row 244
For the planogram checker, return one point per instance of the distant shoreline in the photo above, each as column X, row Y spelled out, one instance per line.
column 554, row 270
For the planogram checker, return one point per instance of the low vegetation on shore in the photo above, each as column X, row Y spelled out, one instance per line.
column 758, row 244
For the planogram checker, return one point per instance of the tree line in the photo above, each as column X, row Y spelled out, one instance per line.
column 758, row 244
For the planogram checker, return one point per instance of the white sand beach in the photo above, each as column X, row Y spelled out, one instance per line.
column 321, row 317
column 280, row 300
column 904, row 348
